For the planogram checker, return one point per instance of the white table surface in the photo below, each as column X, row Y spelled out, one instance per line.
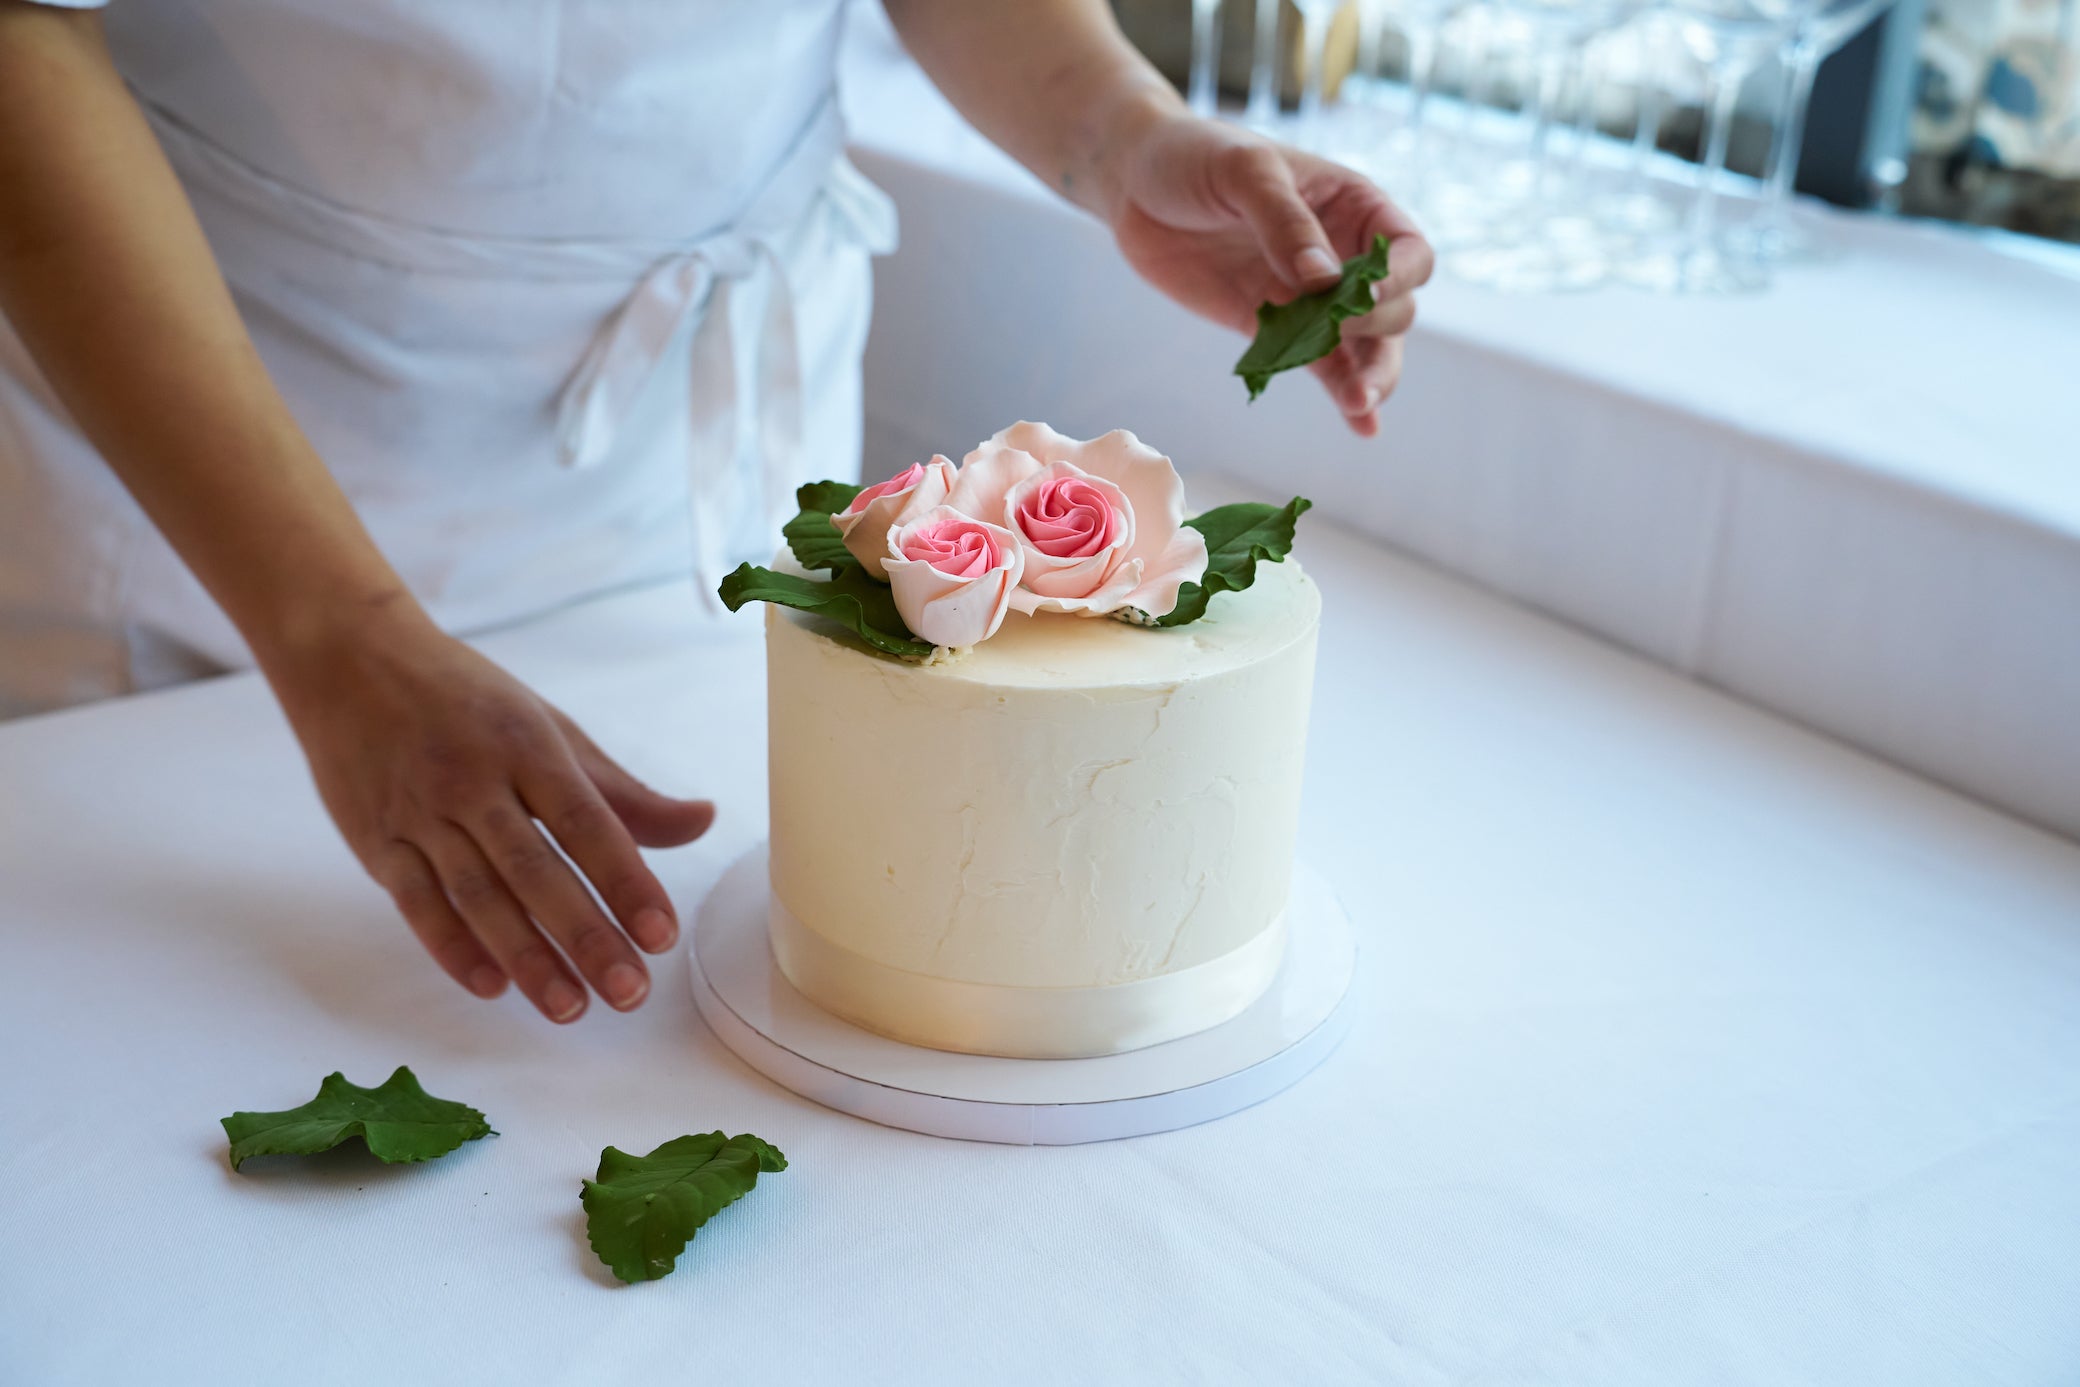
column 1693, row 1049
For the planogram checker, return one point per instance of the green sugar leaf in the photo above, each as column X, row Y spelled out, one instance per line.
column 1238, row 538
column 850, row 598
column 1296, row 334
column 815, row 541
column 643, row 1210
column 399, row 1121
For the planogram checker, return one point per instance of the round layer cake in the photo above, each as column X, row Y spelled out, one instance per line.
column 1074, row 839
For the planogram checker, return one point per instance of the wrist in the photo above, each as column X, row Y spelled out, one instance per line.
column 1119, row 127
column 305, row 639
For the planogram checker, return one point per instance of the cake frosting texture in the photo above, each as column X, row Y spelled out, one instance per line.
column 1075, row 838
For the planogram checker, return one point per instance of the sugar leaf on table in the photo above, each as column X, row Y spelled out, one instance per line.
column 398, row 1120
column 1300, row 333
column 643, row 1210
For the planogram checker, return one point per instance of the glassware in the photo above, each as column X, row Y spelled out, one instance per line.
column 1315, row 19
column 1822, row 26
column 1639, row 208
column 1262, row 111
column 1730, row 38
column 1203, row 94
column 1546, row 239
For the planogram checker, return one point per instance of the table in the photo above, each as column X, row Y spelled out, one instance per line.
column 1692, row 1048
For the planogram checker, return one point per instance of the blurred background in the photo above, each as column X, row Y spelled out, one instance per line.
column 1553, row 143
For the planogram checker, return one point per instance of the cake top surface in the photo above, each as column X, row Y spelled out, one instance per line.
column 1055, row 650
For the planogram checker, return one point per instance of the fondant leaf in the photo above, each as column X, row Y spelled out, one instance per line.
column 1238, row 538
column 849, row 597
column 643, row 1210
column 815, row 541
column 398, row 1120
column 1296, row 334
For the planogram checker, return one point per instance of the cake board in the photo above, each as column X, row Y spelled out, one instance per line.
column 752, row 1009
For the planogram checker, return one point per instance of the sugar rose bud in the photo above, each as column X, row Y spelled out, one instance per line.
column 952, row 576
column 879, row 509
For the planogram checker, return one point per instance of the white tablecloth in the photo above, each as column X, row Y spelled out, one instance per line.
column 1692, row 1048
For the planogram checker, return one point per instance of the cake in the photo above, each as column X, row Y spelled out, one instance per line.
column 1072, row 836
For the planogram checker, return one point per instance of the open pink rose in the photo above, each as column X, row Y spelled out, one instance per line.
column 952, row 576
column 880, row 508
column 1046, row 487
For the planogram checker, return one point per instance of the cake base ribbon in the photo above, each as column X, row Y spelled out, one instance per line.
column 1022, row 1022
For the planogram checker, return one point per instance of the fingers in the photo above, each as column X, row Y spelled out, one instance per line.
column 1359, row 376
column 1390, row 317
column 545, row 887
column 655, row 820
column 1256, row 182
column 409, row 878
column 598, row 841
column 480, row 896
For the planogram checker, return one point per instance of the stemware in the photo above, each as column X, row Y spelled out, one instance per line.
column 1730, row 38
column 1545, row 240
column 1399, row 154
column 1203, row 93
column 1262, row 111
column 1315, row 19
column 1820, row 27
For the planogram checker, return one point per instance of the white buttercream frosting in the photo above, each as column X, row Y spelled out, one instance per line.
column 1073, row 804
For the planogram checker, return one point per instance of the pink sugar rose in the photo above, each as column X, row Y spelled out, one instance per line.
column 1101, row 522
column 953, row 576
column 878, row 510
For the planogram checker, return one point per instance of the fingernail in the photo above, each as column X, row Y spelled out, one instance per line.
column 624, row 985
column 562, row 1001
column 652, row 929
column 1373, row 395
column 1315, row 263
column 486, row 980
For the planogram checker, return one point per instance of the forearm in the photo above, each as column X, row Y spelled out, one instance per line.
column 1053, row 82
column 106, row 277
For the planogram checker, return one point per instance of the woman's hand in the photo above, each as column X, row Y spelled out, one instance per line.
column 1222, row 220
column 484, row 812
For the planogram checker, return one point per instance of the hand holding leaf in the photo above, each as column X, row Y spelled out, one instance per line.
column 1300, row 333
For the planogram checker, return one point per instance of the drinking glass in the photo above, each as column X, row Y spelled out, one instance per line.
column 1821, row 27
column 1203, row 94
column 1730, row 38
column 1545, row 239
column 1315, row 18
column 1400, row 155
column 1262, row 111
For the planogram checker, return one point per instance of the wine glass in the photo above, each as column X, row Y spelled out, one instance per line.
column 1821, row 27
column 1638, row 209
column 1203, row 93
column 1315, row 19
column 1546, row 241
column 1400, row 157
column 1262, row 111
column 1730, row 38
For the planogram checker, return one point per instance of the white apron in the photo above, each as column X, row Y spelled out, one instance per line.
column 569, row 294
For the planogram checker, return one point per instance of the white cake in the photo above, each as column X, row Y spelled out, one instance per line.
column 1074, row 839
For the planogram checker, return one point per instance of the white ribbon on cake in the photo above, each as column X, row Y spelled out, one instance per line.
column 1022, row 1022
